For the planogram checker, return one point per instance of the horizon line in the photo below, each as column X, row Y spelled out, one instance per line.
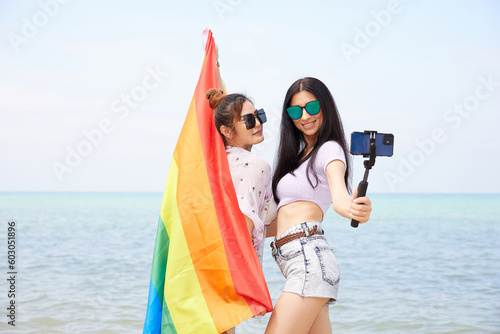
column 161, row 192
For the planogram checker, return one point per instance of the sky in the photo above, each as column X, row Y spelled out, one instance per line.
column 93, row 94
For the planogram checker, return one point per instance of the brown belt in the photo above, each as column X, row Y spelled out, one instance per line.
column 293, row 236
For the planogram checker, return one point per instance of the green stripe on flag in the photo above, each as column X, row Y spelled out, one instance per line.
column 158, row 271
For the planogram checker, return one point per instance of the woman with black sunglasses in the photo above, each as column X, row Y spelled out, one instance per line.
column 240, row 125
column 312, row 172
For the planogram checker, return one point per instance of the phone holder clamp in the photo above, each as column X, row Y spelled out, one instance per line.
column 373, row 149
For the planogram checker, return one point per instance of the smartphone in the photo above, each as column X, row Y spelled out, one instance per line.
column 360, row 143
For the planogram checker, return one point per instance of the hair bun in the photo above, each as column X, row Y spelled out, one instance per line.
column 215, row 97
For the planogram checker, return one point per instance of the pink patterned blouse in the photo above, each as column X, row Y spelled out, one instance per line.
column 252, row 181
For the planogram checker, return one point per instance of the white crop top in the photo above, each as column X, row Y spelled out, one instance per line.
column 296, row 187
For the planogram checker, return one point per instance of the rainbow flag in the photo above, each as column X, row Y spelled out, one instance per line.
column 205, row 276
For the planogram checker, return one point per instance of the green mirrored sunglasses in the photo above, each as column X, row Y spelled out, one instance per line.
column 312, row 108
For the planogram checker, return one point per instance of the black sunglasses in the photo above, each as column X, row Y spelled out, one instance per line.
column 249, row 119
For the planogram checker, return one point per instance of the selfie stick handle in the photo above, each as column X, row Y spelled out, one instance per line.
column 363, row 185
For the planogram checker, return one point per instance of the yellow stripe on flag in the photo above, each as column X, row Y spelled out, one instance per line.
column 180, row 275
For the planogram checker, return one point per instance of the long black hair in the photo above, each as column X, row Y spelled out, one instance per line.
column 292, row 142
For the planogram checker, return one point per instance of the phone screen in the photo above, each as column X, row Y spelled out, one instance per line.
column 360, row 144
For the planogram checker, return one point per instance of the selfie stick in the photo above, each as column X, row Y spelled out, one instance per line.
column 363, row 185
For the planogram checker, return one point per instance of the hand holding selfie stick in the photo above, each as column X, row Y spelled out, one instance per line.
column 363, row 185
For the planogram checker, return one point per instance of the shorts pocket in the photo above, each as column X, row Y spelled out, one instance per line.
column 290, row 250
column 328, row 263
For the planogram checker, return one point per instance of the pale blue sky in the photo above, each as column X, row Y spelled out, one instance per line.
column 429, row 72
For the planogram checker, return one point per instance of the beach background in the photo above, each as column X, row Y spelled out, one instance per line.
column 93, row 98
column 423, row 264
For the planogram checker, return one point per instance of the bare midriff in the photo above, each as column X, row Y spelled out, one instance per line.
column 296, row 213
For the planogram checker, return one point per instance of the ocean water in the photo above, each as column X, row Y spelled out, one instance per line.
column 423, row 264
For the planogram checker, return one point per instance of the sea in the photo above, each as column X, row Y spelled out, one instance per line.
column 424, row 263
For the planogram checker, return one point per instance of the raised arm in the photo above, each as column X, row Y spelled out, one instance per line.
column 222, row 86
column 345, row 205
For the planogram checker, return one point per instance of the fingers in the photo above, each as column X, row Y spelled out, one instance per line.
column 360, row 209
column 360, row 216
column 362, row 200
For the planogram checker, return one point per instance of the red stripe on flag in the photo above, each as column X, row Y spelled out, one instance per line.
column 248, row 278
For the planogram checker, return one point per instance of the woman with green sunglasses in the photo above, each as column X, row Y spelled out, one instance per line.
column 312, row 172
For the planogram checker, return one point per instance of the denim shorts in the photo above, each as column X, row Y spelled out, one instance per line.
column 308, row 264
